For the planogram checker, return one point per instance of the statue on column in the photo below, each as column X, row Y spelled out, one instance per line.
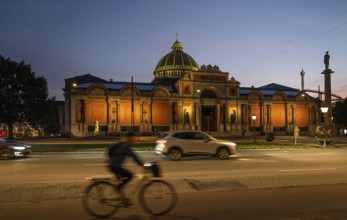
column 326, row 60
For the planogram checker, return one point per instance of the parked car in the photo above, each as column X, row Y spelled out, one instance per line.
column 176, row 144
column 11, row 149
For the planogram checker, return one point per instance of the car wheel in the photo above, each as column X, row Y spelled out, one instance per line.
column 223, row 153
column 6, row 154
column 175, row 154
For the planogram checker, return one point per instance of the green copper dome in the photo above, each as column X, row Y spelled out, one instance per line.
column 175, row 63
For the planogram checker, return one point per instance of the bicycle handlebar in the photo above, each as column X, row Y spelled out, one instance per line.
column 153, row 166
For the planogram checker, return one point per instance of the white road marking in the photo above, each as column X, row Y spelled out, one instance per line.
column 304, row 170
column 95, row 164
column 257, row 160
column 274, row 154
column 82, row 157
column 326, row 153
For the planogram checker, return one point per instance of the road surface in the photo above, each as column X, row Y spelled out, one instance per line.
column 269, row 184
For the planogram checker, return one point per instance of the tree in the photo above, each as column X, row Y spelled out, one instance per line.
column 50, row 119
column 339, row 113
column 23, row 94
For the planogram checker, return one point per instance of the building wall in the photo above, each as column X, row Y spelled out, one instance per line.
column 97, row 111
column 125, row 111
column 302, row 115
column 278, row 115
column 161, row 113
column 188, row 108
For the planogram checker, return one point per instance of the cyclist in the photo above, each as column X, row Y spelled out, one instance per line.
column 118, row 153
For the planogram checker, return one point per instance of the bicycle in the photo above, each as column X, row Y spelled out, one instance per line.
column 156, row 196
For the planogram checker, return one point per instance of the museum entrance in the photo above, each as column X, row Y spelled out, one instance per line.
column 208, row 116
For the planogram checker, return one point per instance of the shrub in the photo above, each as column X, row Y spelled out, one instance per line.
column 322, row 133
column 270, row 136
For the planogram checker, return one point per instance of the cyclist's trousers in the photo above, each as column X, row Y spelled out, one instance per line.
column 123, row 175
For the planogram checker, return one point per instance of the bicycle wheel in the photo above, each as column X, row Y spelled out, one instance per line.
column 100, row 199
column 158, row 197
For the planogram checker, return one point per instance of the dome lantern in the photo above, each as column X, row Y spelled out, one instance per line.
column 177, row 46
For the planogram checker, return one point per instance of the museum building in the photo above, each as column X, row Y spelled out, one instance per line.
column 184, row 96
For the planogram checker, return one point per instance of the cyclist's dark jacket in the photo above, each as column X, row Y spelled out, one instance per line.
column 119, row 153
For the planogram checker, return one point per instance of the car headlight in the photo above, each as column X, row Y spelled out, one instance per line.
column 232, row 144
column 18, row 148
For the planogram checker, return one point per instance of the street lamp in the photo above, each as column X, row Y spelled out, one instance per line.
column 254, row 117
column 324, row 110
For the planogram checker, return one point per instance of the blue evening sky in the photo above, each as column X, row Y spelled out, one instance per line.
column 257, row 41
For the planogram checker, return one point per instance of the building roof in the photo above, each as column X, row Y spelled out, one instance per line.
column 177, row 60
column 86, row 78
column 120, row 85
column 277, row 87
column 270, row 90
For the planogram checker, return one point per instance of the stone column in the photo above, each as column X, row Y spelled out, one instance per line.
column 270, row 118
column 218, row 118
column 108, row 121
column 171, row 119
column 141, row 128
column 327, row 97
column 197, row 116
column 180, row 116
column 118, row 115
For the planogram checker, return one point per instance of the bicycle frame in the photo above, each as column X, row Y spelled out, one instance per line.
column 152, row 193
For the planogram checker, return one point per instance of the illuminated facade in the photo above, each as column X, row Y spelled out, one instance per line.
column 183, row 95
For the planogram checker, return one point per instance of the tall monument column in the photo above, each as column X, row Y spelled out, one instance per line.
column 327, row 90
column 302, row 73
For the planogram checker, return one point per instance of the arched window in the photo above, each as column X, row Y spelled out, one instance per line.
column 208, row 94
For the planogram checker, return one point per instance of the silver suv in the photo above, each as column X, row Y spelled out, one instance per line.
column 176, row 144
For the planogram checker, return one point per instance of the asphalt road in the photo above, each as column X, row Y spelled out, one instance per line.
column 249, row 168
column 288, row 181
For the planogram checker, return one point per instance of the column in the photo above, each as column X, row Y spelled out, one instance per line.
column 150, row 112
column 108, row 121
column 118, row 115
column 171, row 118
column 261, row 117
column 84, row 116
column 294, row 113
column 270, row 118
column 286, row 119
column 180, row 116
column 197, row 116
column 142, row 127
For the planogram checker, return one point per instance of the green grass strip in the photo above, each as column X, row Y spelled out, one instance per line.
column 147, row 147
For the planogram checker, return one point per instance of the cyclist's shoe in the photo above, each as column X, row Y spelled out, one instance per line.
column 126, row 202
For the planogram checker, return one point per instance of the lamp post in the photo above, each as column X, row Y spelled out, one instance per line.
column 254, row 117
column 324, row 110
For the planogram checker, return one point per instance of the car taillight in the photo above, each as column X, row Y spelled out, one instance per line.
column 161, row 141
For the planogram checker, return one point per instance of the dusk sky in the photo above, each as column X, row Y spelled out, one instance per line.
column 257, row 41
